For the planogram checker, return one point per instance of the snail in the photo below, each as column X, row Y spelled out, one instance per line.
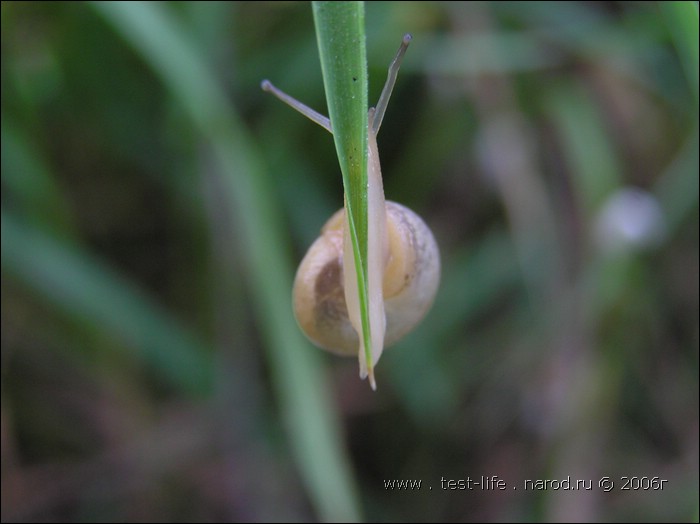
column 404, row 261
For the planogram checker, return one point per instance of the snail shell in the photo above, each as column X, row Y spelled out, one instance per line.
column 410, row 281
column 401, row 265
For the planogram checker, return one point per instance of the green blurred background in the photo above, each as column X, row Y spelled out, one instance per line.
column 155, row 203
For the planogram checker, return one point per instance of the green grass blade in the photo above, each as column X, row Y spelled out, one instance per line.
column 340, row 30
column 682, row 21
column 301, row 389
column 28, row 179
column 84, row 288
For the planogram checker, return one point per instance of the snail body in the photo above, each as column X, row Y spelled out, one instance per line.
column 403, row 261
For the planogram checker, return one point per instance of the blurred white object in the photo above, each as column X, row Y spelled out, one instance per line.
column 630, row 220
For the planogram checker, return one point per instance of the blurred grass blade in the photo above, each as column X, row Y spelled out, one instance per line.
column 340, row 30
column 301, row 389
column 80, row 285
column 682, row 21
column 32, row 185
